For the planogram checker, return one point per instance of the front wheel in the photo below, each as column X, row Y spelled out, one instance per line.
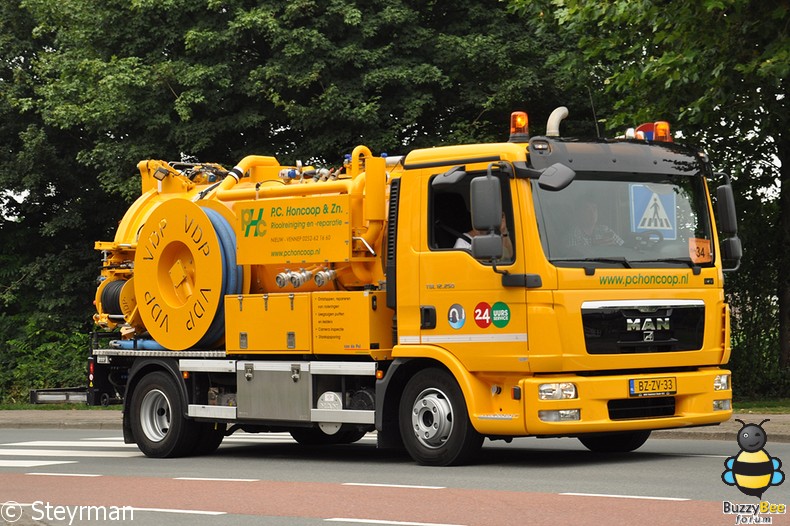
column 157, row 418
column 615, row 442
column 434, row 421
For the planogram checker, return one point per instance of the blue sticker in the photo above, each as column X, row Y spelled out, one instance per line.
column 456, row 316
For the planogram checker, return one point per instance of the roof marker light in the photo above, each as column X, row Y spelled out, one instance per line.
column 519, row 127
column 654, row 131
column 661, row 132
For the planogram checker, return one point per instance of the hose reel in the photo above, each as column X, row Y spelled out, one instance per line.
column 185, row 264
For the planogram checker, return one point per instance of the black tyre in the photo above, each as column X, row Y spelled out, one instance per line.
column 615, row 442
column 210, row 437
column 350, row 433
column 434, row 421
column 157, row 418
column 313, row 436
column 309, row 436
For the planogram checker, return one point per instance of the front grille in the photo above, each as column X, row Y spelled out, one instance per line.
column 620, row 328
column 647, row 407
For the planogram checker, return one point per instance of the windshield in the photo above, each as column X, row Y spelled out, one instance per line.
column 624, row 219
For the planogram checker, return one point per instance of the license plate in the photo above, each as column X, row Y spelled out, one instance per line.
column 652, row 386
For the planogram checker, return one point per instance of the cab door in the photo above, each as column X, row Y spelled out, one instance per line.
column 465, row 306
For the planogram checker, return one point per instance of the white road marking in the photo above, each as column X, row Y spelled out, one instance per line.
column 188, row 512
column 69, row 443
column 644, row 497
column 696, row 455
column 234, row 439
column 396, row 523
column 152, row 510
column 65, row 474
column 210, row 479
column 68, row 453
column 33, row 463
column 409, row 486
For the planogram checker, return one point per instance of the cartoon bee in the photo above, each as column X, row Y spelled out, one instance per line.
column 752, row 470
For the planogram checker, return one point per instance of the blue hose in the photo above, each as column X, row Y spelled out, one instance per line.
column 148, row 345
column 232, row 276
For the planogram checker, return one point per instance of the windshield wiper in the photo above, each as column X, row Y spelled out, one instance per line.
column 684, row 261
column 623, row 261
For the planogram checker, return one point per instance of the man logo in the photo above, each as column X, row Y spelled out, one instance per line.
column 649, row 336
column 649, row 324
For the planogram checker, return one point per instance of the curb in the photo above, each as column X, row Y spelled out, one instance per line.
column 60, row 425
column 60, row 419
column 729, row 436
column 778, row 430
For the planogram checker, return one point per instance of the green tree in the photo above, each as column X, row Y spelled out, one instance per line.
column 90, row 87
column 48, row 220
column 719, row 70
column 305, row 79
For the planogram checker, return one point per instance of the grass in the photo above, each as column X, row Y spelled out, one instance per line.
column 774, row 406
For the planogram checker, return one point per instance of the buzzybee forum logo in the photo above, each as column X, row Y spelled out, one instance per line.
column 753, row 470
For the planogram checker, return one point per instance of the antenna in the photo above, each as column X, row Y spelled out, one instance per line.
column 595, row 118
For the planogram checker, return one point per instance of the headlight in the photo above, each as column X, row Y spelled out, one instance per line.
column 721, row 382
column 558, row 391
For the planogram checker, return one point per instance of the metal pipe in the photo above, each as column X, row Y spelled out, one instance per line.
column 556, row 117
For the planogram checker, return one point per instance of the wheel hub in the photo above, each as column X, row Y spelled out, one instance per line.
column 432, row 418
column 155, row 415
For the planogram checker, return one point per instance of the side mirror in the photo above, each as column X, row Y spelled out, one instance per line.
column 486, row 201
column 731, row 248
column 488, row 246
column 725, row 207
column 556, row 177
column 731, row 253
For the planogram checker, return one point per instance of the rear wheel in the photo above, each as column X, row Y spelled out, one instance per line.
column 434, row 421
column 350, row 433
column 157, row 418
column 210, row 437
column 615, row 442
column 313, row 436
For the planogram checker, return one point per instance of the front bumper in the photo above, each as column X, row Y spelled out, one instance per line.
column 605, row 404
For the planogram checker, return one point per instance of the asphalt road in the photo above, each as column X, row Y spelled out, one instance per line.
column 56, row 474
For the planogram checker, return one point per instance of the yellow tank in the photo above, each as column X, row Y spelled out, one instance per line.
column 199, row 234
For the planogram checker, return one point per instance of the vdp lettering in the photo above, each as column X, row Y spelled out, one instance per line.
column 195, row 232
column 154, row 240
column 198, row 310
column 157, row 311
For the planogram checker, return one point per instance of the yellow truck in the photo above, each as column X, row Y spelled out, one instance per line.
column 545, row 286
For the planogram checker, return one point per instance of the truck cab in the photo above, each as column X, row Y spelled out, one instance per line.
column 602, row 314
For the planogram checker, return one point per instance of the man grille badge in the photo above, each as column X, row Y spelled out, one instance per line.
column 648, row 336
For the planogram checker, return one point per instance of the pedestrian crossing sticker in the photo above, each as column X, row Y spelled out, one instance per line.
column 654, row 211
